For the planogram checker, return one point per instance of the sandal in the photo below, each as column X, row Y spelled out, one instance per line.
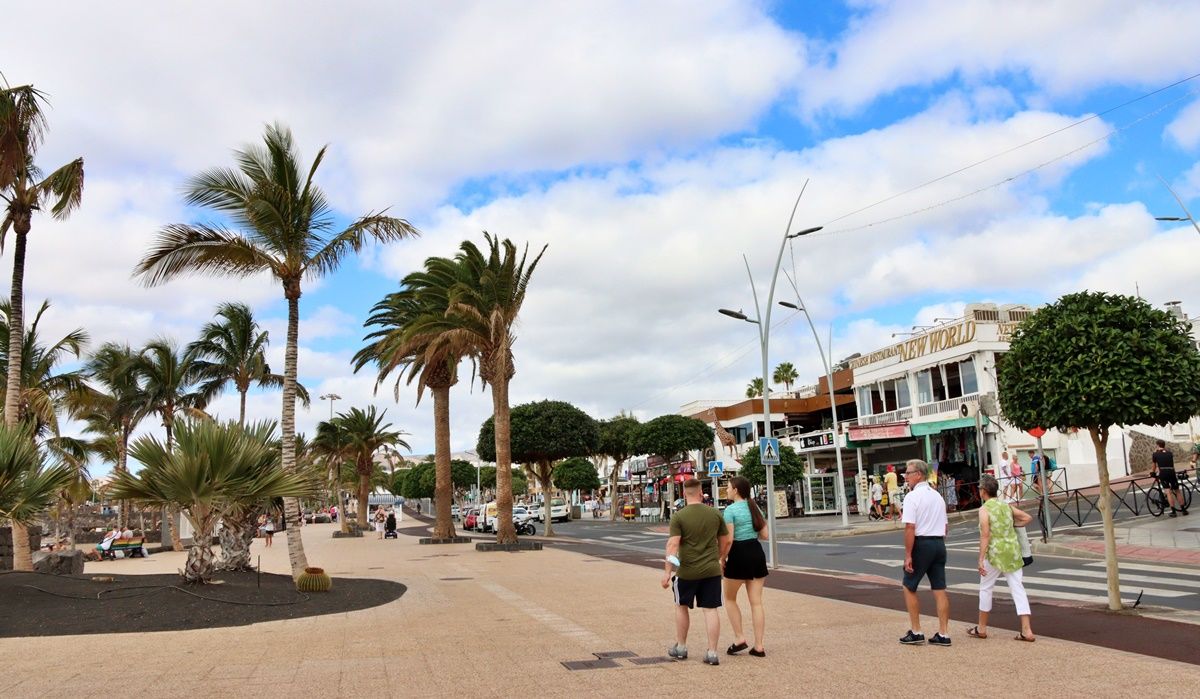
column 1023, row 637
column 759, row 653
column 973, row 632
column 736, row 648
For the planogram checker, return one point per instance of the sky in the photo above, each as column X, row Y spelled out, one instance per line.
column 1005, row 152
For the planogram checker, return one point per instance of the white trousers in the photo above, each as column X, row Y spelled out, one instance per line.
column 1015, row 587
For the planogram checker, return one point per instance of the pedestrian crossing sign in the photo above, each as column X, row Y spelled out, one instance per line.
column 768, row 451
column 716, row 469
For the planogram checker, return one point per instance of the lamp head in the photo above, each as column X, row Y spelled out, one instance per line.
column 806, row 231
column 1169, row 218
column 789, row 304
column 732, row 314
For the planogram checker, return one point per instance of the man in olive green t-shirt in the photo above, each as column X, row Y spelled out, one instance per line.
column 699, row 541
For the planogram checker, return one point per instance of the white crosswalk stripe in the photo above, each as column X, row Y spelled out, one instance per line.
column 1071, row 584
column 1148, row 568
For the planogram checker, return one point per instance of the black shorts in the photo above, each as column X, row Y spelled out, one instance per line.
column 746, row 561
column 929, row 558
column 1168, row 479
column 704, row 593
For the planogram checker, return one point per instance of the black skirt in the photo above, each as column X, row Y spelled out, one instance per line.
column 746, row 561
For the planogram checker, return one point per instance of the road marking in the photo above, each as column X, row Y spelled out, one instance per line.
column 1144, row 567
column 615, row 538
column 1052, row 594
column 555, row 622
column 1124, row 577
column 1103, row 587
column 897, row 564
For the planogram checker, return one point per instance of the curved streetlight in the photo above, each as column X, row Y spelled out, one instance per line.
column 763, row 321
column 1187, row 218
column 837, row 436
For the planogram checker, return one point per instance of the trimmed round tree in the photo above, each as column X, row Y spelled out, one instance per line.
column 672, row 437
column 576, row 473
column 789, row 470
column 1093, row 360
column 618, row 441
column 542, row 433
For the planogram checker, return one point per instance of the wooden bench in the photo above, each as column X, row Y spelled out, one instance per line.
column 131, row 547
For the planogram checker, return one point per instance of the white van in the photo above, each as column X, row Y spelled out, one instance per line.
column 559, row 512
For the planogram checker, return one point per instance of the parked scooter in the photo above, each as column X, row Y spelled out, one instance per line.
column 525, row 528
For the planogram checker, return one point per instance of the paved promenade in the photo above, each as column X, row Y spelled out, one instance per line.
column 505, row 623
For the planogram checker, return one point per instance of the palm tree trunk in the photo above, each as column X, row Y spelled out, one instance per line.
column 506, row 533
column 612, row 493
column 22, row 556
column 242, row 408
column 123, row 465
column 201, row 560
column 235, row 544
column 443, row 527
column 291, row 506
column 173, row 512
column 364, row 495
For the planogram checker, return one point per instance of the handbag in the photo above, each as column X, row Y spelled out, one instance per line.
column 1026, row 549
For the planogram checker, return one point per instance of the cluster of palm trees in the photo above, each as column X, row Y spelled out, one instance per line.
column 354, row 438
column 456, row 310
column 785, row 374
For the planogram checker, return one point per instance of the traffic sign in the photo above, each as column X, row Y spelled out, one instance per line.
column 716, row 469
column 768, row 451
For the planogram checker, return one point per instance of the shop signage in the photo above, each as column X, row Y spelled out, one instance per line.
column 927, row 343
column 867, row 433
column 814, row 441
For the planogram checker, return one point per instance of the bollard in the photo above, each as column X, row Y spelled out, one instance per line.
column 259, row 570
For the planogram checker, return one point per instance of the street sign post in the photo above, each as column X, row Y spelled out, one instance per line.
column 716, row 469
column 768, row 451
column 1038, row 433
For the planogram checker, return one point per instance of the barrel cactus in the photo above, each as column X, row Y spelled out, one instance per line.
column 314, row 580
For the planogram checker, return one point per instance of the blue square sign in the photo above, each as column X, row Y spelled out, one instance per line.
column 768, row 451
column 716, row 469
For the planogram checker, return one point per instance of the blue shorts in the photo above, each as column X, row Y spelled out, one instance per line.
column 928, row 558
column 705, row 592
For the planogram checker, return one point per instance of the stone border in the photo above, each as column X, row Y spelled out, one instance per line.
column 519, row 546
column 444, row 540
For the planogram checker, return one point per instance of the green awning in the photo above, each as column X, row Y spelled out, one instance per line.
column 920, row 429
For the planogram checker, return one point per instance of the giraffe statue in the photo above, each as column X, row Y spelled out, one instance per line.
column 726, row 439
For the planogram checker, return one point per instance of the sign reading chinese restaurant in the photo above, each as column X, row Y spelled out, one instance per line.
column 814, row 441
column 867, row 433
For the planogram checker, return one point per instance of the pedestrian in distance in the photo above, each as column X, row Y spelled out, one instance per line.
column 893, row 491
column 1000, row 554
column 380, row 521
column 1164, row 471
column 698, row 542
column 268, row 529
column 745, row 565
column 876, row 497
column 925, row 528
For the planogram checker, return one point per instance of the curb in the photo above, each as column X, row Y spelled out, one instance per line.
column 1069, row 551
column 839, row 532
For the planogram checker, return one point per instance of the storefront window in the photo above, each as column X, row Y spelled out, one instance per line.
column 970, row 383
column 903, row 400
column 889, row 396
column 939, row 384
column 953, row 384
column 924, row 387
column 863, row 401
column 877, row 406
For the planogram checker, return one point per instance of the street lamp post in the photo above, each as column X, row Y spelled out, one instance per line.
column 764, row 337
column 1187, row 218
column 335, row 470
column 837, row 436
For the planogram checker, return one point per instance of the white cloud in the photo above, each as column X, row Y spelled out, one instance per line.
column 1063, row 48
column 1184, row 129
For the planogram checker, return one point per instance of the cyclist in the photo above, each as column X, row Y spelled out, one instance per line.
column 1164, row 472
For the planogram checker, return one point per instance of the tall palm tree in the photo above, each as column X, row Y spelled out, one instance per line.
column 117, row 405
column 785, row 374
column 329, row 450
column 364, row 434
column 212, row 471
column 484, row 305
column 23, row 190
column 754, row 389
column 168, row 380
column 286, row 229
column 415, row 337
column 233, row 350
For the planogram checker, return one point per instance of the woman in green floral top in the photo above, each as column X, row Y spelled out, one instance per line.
column 1000, row 554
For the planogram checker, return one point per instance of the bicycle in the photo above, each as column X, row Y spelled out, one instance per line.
column 1156, row 498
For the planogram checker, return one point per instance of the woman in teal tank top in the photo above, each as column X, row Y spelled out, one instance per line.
column 745, row 564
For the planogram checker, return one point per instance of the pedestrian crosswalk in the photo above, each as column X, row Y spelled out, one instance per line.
column 635, row 538
column 1073, row 584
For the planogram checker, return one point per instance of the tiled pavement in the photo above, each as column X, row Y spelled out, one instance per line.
column 507, row 622
column 1157, row 539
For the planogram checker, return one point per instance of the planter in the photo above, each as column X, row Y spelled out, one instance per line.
column 314, row 580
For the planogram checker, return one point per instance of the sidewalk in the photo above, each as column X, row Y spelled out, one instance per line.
column 508, row 623
column 1154, row 539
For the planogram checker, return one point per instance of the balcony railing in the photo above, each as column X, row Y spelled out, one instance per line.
column 894, row 416
column 947, row 406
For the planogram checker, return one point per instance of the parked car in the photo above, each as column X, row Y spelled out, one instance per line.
column 455, row 513
column 487, row 518
column 521, row 514
column 559, row 512
column 535, row 510
column 470, row 517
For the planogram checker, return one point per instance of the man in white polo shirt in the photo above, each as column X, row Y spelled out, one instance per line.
column 925, row 528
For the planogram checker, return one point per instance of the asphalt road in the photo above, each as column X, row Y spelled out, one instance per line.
column 1050, row 578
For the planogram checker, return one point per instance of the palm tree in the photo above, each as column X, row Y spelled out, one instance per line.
column 114, row 410
column 363, row 434
column 46, row 392
column 24, row 190
column 168, row 384
column 233, row 350
column 415, row 337
column 27, row 486
column 329, row 450
column 484, row 305
column 755, row 388
column 785, row 374
column 212, row 471
column 287, row 230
